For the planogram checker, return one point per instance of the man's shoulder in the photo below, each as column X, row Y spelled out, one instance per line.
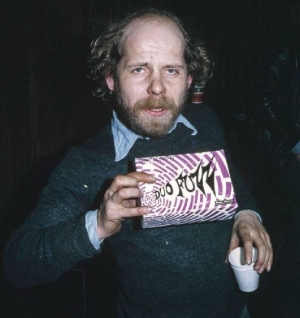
column 197, row 109
column 101, row 142
column 200, row 115
column 96, row 147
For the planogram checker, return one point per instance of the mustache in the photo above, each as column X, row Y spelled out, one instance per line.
column 150, row 103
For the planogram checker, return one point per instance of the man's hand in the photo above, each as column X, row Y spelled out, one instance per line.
column 249, row 230
column 119, row 203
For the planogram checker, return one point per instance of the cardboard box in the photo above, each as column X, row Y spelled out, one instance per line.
column 190, row 188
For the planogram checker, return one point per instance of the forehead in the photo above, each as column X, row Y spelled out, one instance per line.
column 153, row 33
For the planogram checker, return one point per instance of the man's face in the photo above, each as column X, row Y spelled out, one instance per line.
column 152, row 79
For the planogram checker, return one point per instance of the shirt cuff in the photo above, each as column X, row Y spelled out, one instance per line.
column 258, row 216
column 91, row 227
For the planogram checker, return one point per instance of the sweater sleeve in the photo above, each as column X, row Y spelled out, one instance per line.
column 242, row 190
column 53, row 238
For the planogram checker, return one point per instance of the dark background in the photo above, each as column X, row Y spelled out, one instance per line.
column 47, row 106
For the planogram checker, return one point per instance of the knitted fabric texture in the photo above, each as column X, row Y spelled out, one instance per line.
column 175, row 271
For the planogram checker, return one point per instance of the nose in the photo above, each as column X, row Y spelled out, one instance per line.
column 156, row 85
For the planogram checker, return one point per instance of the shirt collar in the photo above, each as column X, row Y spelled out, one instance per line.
column 124, row 138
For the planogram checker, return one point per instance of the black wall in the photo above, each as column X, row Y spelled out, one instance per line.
column 46, row 104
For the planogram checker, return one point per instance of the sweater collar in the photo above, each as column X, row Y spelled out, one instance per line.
column 124, row 138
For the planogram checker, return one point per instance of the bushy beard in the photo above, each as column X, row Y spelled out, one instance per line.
column 149, row 126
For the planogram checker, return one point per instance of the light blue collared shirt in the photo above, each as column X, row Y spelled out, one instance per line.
column 124, row 139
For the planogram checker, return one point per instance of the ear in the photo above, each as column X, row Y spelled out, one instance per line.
column 110, row 82
column 189, row 80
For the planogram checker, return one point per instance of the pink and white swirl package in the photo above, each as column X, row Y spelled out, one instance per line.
column 189, row 188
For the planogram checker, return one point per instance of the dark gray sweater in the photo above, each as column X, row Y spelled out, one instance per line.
column 175, row 271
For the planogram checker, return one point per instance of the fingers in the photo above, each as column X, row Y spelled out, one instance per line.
column 265, row 253
column 125, row 194
column 259, row 238
column 110, row 217
column 130, row 180
column 250, row 232
column 121, row 205
column 120, row 202
column 142, row 177
column 126, row 187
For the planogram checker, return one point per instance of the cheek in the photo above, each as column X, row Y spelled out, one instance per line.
column 131, row 92
column 180, row 91
column 128, row 98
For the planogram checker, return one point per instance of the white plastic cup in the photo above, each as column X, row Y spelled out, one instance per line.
column 247, row 278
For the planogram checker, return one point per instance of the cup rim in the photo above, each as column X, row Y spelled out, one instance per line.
column 254, row 254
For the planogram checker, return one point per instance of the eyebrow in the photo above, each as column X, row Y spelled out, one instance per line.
column 175, row 66
column 180, row 66
column 135, row 65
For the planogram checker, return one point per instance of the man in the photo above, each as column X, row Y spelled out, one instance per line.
column 148, row 62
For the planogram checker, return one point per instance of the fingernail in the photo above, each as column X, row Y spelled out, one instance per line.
column 248, row 261
column 152, row 178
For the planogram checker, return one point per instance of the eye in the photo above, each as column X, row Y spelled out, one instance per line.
column 171, row 71
column 138, row 70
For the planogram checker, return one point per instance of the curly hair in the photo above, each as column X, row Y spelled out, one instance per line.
column 107, row 51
